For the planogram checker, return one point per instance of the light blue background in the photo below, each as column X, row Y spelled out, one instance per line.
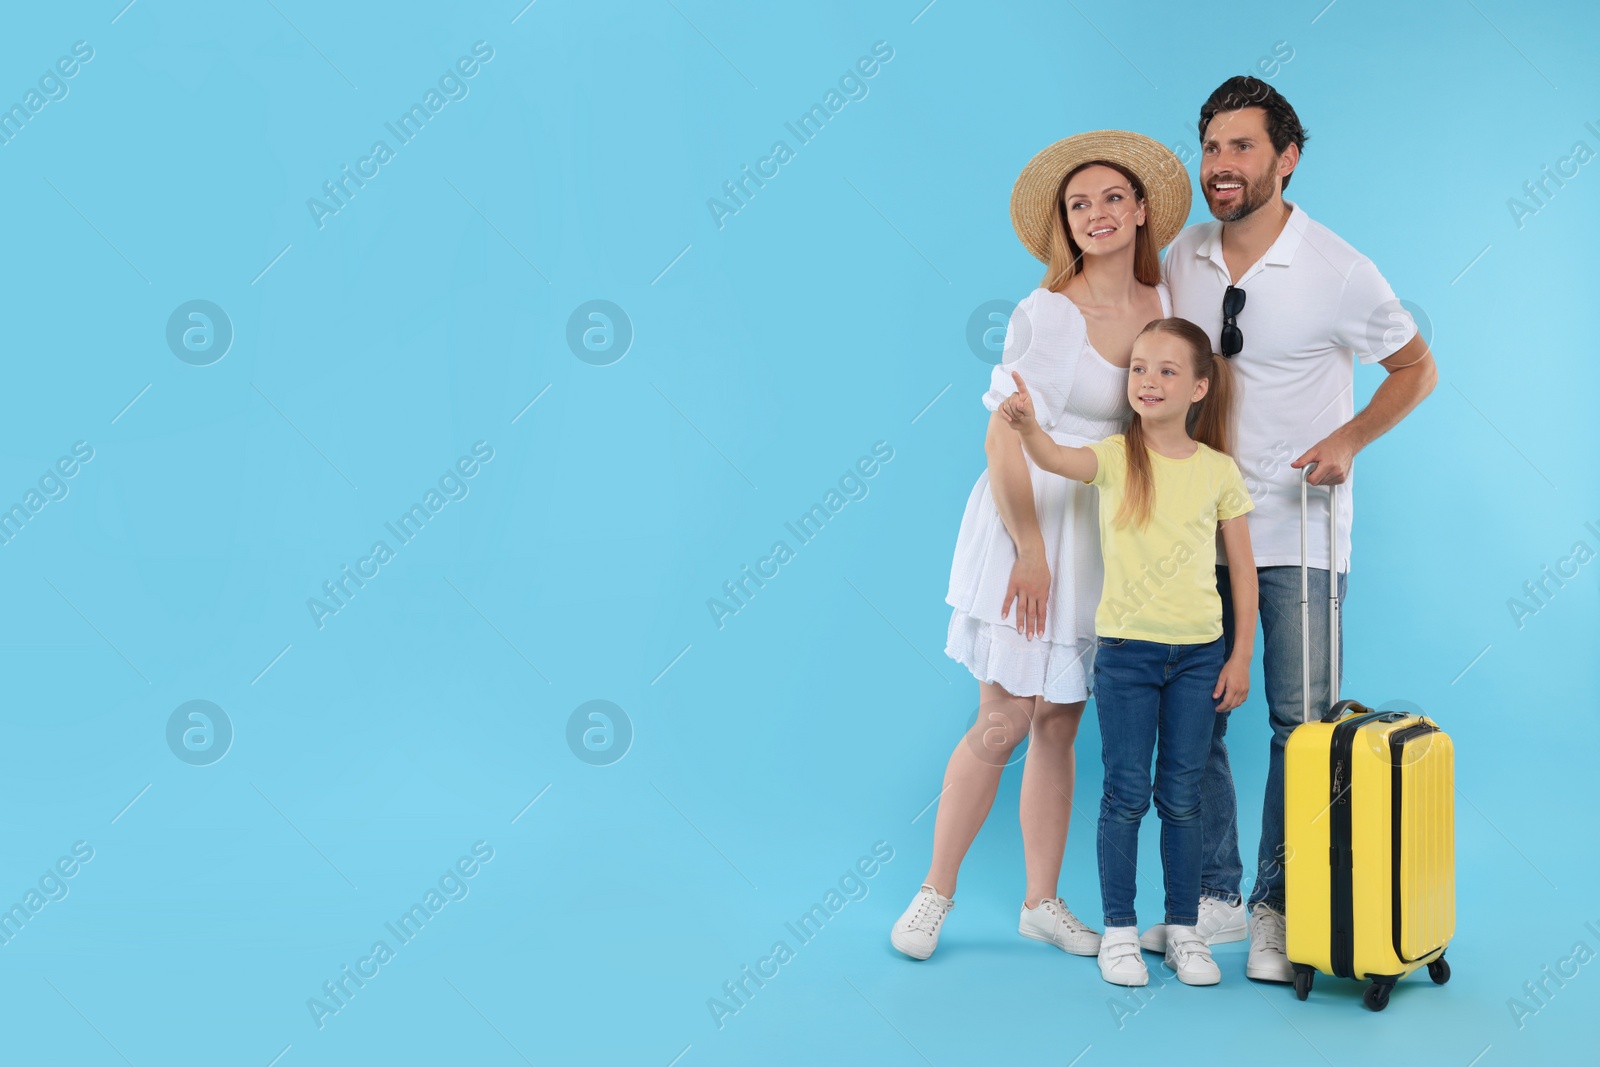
column 768, row 355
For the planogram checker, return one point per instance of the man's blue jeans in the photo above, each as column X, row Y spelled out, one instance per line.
column 1153, row 698
column 1221, row 869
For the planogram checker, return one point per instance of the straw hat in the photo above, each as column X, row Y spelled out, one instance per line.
column 1166, row 184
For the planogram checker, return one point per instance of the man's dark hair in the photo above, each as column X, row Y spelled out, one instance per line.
column 1242, row 91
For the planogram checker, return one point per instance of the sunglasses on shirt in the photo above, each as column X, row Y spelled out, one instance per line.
column 1232, row 337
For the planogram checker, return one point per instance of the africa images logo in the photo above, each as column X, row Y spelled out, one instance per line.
column 453, row 485
column 853, row 485
column 853, row 85
column 452, row 86
column 452, row 886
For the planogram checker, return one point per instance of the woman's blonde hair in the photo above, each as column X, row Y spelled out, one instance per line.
column 1066, row 258
column 1209, row 421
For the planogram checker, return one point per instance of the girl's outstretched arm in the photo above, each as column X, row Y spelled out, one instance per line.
column 1233, row 685
column 1079, row 464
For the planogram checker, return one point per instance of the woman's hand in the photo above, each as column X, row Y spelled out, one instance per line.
column 1018, row 407
column 1029, row 589
column 1233, row 685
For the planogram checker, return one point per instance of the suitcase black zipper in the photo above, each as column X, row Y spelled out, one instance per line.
column 1397, row 744
column 1342, row 910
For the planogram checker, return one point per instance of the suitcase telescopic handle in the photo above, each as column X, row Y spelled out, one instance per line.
column 1339, row 707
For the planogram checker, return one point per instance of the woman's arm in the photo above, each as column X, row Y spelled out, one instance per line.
column 1233, row 686
column 1012, row 489
column 1079, row 464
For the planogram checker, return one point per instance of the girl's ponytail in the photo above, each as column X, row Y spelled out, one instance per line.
column 1139, row 487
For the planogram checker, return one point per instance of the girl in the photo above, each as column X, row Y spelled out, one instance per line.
column 1165, row 487
column 1096, row 208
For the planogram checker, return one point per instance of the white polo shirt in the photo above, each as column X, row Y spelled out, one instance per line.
column 1312, row 302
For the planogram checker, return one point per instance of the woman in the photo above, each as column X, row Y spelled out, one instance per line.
column 1096, row 208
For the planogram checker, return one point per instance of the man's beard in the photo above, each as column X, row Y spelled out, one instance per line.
column 1251, row 196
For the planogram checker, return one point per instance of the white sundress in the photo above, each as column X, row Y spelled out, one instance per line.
column 1078, row 398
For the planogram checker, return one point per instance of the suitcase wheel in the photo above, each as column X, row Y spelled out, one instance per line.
column 1303, row 976
column 1377, row 996
column 1439, row 971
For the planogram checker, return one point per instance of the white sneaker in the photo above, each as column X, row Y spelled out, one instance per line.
column 1189, row 958
column 1120, row 962
column 917, row 931
column 1219, row 923
column 1267, row 962
column 1054, row 922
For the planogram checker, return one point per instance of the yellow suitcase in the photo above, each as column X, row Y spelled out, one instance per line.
column 1369, row 832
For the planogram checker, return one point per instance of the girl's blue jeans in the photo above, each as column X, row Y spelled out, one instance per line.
column 1153, row 698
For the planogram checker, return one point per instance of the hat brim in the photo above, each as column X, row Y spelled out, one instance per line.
column 1159, row 170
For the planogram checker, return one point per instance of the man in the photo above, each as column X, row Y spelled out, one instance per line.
column 1290, row 303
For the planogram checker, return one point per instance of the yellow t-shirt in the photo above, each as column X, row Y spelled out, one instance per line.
column 1161, row 579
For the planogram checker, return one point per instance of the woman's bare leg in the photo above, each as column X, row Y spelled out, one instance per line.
column 1045, row 808
column 971, row 778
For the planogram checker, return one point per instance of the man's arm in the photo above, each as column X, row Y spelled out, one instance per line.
column 1412, row 376
column 1233, row 685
